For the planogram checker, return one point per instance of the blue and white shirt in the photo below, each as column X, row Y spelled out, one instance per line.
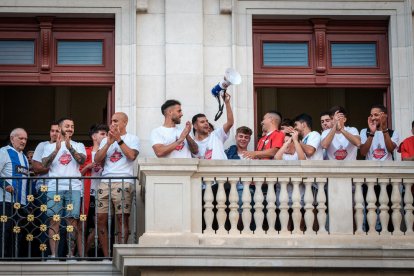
column 13, row 164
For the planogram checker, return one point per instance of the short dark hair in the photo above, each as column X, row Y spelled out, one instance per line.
column 304, row 118
column 286, row 122
column 337, row 108
column 168, row 104
column 54, row 123
column 95, row 128
column 380, row 107
column 245, row 130
column 324, row 113
column 412, row 124
column 195, row 117
column 60, row 121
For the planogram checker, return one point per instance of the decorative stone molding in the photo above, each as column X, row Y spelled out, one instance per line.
column 142, row 6
column 226, row 6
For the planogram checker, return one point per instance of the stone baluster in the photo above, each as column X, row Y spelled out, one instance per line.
column 408, row 207
column 258, row 206
column 371, row 207
column 384, row 216
column 321, row 207
column 234, row 205
column 309, row 216
column 271, row 205
column 396, row 216
column 246, row 198
column 284, row 206
column 208, row 206
column 221, row 206
column 359, row 206
column 296, row 205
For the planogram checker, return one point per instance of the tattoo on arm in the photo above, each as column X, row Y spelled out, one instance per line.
column 79, row 157
column 47, row 161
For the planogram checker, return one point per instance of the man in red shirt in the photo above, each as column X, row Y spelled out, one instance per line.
column 270, row 143
column 407, row 147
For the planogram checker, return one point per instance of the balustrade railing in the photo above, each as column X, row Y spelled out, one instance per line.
column 205, row 202
column 31, row 225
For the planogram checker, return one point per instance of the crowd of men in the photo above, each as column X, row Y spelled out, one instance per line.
column 58, row 197
column 114, row 151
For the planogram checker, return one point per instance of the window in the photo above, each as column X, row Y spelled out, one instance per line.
column 79, row 52
column 285, row 54
column 17, row 52
column 354, row 54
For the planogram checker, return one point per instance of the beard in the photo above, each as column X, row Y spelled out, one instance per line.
column 176, row 120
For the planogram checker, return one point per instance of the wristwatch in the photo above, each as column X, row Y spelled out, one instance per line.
column 120, row 142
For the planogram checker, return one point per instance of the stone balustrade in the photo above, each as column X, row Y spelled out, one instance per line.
column 333, row 214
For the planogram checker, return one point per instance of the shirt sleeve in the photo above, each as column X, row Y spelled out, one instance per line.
column 134, row 143
column 325, row 133
column 314, row 139
column 156, row 138
column 47, row 150
column 219, row 132
column 363, row 135
column 80, row 148
column 353, row 131
column 103, row 143
column 278, row 140
column 404, row 151
column 37, row 155
column 396, row 138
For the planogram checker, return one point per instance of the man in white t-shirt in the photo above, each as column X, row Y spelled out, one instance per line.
column 169, row 140
column 38, row 153
column 118, row 152
column 311, row 140
column 63, row 159
column 378, row 142
column 340, row 142
column 211, row 145
column 41, row 184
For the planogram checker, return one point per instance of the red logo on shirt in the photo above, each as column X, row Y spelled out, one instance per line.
column 208, row 154
column 116, row 156
column 340, row 154
column 379, row 152
column 65, row 158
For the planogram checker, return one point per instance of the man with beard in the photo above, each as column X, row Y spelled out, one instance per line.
column 169, row 140
column 118, row 152
column 378, row 142
column 13, row 163
column 311, row 140
column 270, row 143
column 340, row 142
column 211, row 144
column 63, row 159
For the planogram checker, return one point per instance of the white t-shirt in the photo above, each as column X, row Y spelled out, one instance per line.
column 287, row 156
column 168, row 135
column 340, row 148
column 64, row 165
column 314, row 139
column 95, row 171
column 116, row 164
column 212, row 147
column 6, row 170
column 37, row 156
column 378, row 151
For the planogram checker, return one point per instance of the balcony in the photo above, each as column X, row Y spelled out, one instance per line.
column 257, row 217
column 296, row 217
